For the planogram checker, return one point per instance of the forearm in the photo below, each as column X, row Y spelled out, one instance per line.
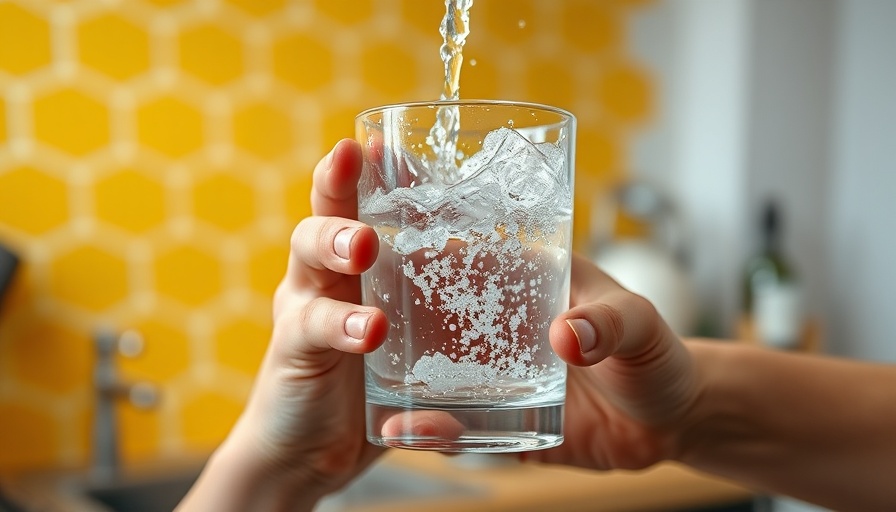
column 815, row 428
column 235, row 481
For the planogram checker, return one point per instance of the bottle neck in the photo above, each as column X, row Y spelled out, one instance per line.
column 771, row 242
column 770, row 232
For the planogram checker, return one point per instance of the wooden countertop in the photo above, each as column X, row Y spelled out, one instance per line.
column 513, row 486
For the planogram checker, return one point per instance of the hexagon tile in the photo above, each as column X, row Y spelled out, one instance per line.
column 24, row 39
column 71, row 120
column 155, row 156
column 128, row 57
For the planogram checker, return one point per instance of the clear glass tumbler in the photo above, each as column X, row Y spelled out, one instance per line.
column 472, row 201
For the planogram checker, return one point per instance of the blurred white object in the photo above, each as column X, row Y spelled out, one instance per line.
column 653, row 273
column 778, row 314
column 652, row 266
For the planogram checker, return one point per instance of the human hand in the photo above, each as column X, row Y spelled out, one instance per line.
column 306, row 414
column 631, row 382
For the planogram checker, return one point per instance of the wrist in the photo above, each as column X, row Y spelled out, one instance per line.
column 718, row 415
column 238, row 476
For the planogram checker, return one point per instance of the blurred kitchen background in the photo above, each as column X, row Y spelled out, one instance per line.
column 156, row 154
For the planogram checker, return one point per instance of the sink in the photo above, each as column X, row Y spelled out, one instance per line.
column 163, row 492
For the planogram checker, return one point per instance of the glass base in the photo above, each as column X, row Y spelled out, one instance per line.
column 458, row 428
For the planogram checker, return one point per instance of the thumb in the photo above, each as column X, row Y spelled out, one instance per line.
column 616, row 323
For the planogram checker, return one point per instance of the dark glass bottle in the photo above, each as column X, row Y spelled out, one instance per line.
column 769, row 266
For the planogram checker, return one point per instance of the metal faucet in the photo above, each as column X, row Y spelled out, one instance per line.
column 109, row 389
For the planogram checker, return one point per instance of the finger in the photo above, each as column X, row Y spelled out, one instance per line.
column 324, row 249
column 334, row 191
column 324, row 324
column 429, row 429
column 618, row 323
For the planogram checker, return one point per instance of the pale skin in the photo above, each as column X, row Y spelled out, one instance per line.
column 815, row 428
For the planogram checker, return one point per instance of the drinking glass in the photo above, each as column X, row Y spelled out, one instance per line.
column 472, row 202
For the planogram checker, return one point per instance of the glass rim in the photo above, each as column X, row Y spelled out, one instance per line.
column 466, row 103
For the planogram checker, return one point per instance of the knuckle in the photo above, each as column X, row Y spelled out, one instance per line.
column 642, row 307
column 312, row 241
column 614, row 320
column 301, row 232
column 309, row 312
column 281, row 296
column 649, row 319
column 317, row 313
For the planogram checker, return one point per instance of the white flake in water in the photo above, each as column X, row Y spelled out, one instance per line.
column 441, row 374
column 412, row 239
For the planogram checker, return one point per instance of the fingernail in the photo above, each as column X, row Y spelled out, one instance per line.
column 584, row 332
column 356, row 325
column 342, row 244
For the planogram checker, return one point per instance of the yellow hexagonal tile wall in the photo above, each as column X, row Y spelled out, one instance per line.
column 606, row 31
column 130, row 200
column 263, row 130
column 297, row 194
column 508, row 21
column 170, row 126
column 267, row 265
column 349, row 13
column 258, row 7
column 28, row 437
column 422, row 16
column 481, row 80
column 165, row 3
column 188, row 275
column 224, row 201
column 90, row 277
column 208, row 417
column 24, row 40
column 625, row 92
column 241, row 343
column 559, row 90
column 304, row 61
column 337, row 124
column 2, row 121
column 113, row 46
column 603, row 157
column 210, row 53
column 166, row 351
column 72, row 121
column 64, row 356
column 141, row 435
column 32, row 200
column 390, row 69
